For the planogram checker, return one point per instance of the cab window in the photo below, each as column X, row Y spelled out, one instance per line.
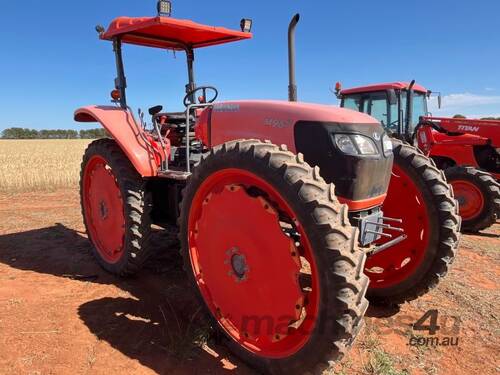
column 377, row 107
column 353, row 102
column 419, row 107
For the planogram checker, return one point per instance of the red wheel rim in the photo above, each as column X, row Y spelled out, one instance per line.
column 103, row 209
column 470, row 199
column 397, row 263
column 247, row 269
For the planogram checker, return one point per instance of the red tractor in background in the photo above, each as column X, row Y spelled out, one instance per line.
column 275, row 253
column 467, row 150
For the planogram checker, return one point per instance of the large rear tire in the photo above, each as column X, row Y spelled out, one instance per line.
column 115, row 207
column 419, row 195
column 264, row 237
column 478, row 196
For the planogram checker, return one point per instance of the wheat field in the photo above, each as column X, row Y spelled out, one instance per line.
column 34, row 165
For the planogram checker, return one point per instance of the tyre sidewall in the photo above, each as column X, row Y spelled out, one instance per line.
column 101, row 148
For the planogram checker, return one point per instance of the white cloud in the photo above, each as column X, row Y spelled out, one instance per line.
column 489, row 89
column 495, row 115
column 469, row 100
column 466, row 104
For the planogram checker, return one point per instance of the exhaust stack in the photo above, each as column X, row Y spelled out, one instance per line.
column 292, row 86
column 409, row 108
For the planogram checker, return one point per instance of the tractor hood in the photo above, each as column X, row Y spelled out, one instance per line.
column 361, row 180
column 273, row 120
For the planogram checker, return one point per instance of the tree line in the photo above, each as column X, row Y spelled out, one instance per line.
column 24, row 133
column 484, row 118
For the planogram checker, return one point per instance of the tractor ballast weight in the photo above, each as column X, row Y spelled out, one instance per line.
column 467, row 150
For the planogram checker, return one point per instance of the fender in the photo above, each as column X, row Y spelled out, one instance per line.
column 120, row 123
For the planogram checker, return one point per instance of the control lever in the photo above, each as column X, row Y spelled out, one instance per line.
column 153, row 111
column 140, row 113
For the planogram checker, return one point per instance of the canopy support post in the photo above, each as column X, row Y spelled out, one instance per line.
column 191, row 85
column 120, row 81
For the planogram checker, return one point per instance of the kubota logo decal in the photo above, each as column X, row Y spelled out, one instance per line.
column 226, row 108
column 468, row 128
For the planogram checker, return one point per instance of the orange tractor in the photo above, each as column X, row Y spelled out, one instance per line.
column 467, row 150
column 275, row 252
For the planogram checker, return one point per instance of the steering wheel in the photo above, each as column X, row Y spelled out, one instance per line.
column 204, row 90
column 392, row 125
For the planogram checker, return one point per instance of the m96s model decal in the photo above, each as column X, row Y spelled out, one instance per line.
column 277, row 123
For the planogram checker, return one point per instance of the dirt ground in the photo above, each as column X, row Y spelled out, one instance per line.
column 61, row 314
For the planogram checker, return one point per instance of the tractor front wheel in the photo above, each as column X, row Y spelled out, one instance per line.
column 419, row 195
column 478, row 196
column 273, row 258
column 116, row 208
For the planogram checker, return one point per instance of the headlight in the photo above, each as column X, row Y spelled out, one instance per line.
column 387, row 144
column 355, row 144
column 365, row 145
column 345, row 144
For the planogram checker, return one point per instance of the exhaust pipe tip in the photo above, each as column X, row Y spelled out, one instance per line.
column 292, row 86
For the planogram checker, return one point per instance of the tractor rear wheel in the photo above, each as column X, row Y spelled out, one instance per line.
column 272, row 257
column 420, row 196
column 478, row 196
column 116, row 208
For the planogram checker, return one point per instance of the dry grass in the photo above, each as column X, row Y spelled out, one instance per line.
column 40, row 165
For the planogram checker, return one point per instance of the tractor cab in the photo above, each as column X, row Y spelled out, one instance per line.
column 388, row 103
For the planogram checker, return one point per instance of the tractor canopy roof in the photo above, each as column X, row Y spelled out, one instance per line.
column 169, row 33
column 383, row 87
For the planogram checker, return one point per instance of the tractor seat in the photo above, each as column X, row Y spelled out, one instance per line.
column 174, row 118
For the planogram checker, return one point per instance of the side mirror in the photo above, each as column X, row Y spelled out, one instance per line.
column 391, row 95
column 440, row 99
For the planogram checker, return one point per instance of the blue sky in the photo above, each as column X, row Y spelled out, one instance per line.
column 52, row 61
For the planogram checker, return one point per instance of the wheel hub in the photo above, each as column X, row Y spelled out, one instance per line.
column 239, row 267
column 103, row 209
column 469, row 197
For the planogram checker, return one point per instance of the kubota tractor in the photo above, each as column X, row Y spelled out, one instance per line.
column 467, row 150
column 267, row 243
